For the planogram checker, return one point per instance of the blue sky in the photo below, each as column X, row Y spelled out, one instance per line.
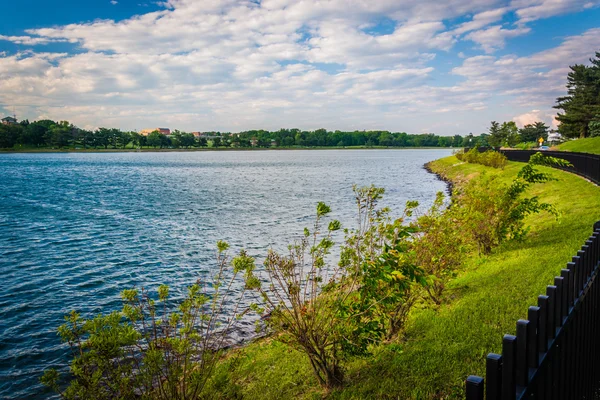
column 230, row 65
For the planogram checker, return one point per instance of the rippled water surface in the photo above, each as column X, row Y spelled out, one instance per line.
column 76, row 229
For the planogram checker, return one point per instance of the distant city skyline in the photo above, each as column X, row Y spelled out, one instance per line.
column 409, row 65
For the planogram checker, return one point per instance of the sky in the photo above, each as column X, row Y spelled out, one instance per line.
column 445, row 67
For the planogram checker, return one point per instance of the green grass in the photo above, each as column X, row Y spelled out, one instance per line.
column 587, row 145
column 442, row 346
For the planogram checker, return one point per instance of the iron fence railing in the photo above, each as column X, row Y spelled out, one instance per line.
column 556, row 351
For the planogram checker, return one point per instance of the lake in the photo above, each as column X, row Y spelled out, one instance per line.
column 77, row 228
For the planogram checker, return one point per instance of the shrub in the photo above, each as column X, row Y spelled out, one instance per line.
column 147, row 350
column 488, row 158
column 379, row 259
column 459, row 154
column 332, row 311
column 301, row 307
column 439, row 246
column 472, row 156
column 493, row 159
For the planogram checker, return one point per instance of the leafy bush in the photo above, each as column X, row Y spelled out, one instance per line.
column 379, row 259
column 493, row 159
column 439, row 246
column 488, row 158
column 302, row 297
column 332, row 311
column 147, row 350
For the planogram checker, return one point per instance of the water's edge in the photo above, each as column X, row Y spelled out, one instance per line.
column 448, row 182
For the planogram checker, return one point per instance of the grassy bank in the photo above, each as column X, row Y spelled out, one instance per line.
column 587, row 145
column 442, row 345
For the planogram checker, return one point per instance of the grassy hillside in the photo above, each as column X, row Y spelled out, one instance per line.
column 442, row 345
column 588, row 145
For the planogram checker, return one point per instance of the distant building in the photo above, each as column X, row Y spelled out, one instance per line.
column 9, row 121
column 555, row 137
column 254, row 142
column 164, row 131
column 207, row 135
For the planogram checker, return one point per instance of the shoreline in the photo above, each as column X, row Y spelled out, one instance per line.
column 449, row 183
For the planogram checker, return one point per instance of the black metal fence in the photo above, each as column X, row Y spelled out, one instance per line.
column 556, row 351
column 584, row 164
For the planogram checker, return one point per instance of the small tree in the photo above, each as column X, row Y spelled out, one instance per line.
column 154, row 139
column 331, row 311
column 378, row 258
column 439, row 246
column 496, row 137
column 510, row 133
column 302, row 299
column 533, row 132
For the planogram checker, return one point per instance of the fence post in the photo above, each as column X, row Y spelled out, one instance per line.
column 566, row 297
column 509, row 350
column 543, row 324
column 588, row 258
column 493, row 374
column 533, row 315
column 475, row 388
column 595, row 249
column 572, row 279
column 551, row 330
column 558, row 307
column 583, row 267
column 577, row 271
column 522, row 368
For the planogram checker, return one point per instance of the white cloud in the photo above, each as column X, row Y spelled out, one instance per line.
column 534, row 116
column 481, row 20
column 533, row 81
column 531, row 10
column 232, row 65
column 494, row 38
column 29, row 40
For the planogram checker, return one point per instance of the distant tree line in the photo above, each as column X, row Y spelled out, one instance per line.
column 324, row 138
column 507, row 134
column 51, row 134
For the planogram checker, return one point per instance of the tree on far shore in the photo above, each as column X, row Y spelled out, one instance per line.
column 154, row 139
column 532, row 132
